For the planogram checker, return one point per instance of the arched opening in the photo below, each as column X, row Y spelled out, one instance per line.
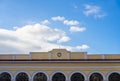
column 96, row 77
column 58, row 77
column 22, row 77
column 40, row 77
column 77, row 77
column 114, row 77
column 5, row 76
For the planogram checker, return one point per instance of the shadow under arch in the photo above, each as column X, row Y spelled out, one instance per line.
column 113, row 76
column 43, row 72
column 96, row 76
column 6, row 75
column 61, row 75
column 24, row 72
column 79, row 72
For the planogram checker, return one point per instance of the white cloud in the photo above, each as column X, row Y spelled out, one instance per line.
column 58, row 18
column 41, row 32
column 82, row 47
column 45, row 22
column 63, row 39
column 28, row 37
column 77, row 29
column 65, row 21
column 35, row 37
column 94, row 11
column 71, row 22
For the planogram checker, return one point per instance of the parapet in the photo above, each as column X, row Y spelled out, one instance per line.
column 58, row 54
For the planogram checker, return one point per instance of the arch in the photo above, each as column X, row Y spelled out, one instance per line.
column 6, row 76
column 96, row 76
column 85, row 78
column 24, row 74
column 40, row 72
column 61, row 73
column 113, row 76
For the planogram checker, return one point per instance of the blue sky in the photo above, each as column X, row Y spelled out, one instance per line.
column 77, row 25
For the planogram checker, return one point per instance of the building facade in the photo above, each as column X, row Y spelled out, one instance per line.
column 59, row 65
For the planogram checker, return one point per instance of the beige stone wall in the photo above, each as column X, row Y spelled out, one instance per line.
column 112, row 56
column 65, row 67
column 22, row 56
column 94, row 57
column 77, row 55
column 6, row 56
column 39, row 55
column 62, row 51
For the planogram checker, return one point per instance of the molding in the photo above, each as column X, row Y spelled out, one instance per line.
column 68, row 55
column 50, row 55
column 13, row 57
column 103, row 56
column 58, row 61
column 85, row 55
column 60, row 67
column 30, row 56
